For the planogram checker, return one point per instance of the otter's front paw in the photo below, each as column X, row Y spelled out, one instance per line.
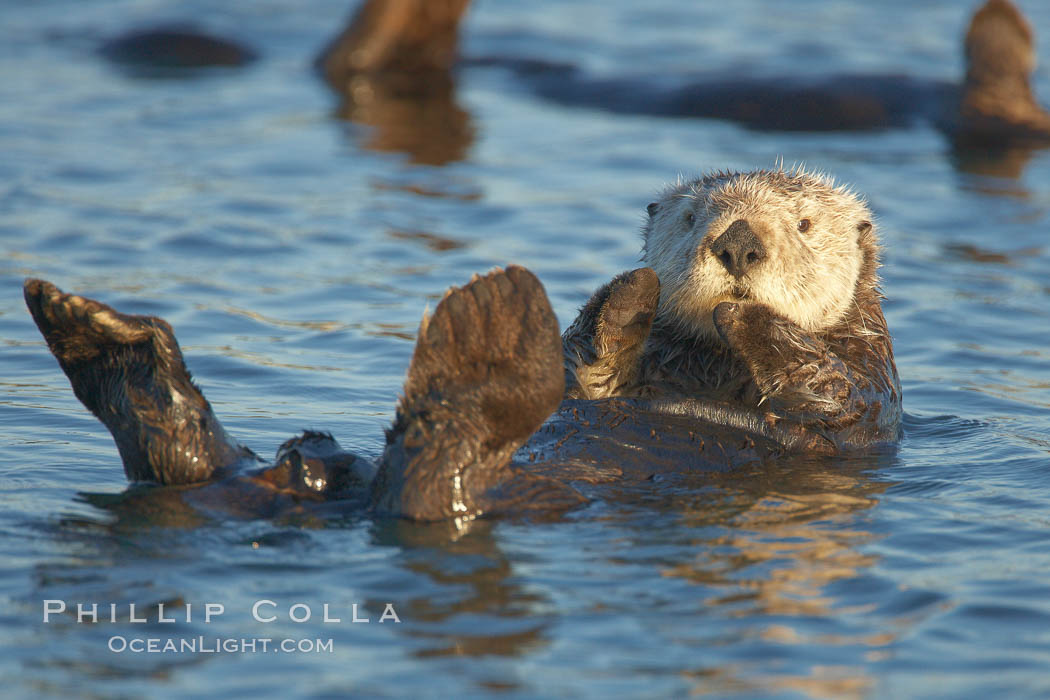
column 603, row 347
column 788, row 365
column 768, row 343
column 626, row 316
column 743, row 326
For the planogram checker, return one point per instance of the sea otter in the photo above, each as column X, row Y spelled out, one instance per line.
column 762, row 292
column 393, row 68
column 412, row 43
column 766, row 336
column 173, row 48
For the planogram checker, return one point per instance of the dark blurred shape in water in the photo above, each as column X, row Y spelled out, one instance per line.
column 998, row 106
column 170, row 51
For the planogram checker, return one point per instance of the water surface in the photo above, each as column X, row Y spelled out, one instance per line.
column 294, row 254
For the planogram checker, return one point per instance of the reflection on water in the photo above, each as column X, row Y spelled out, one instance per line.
column 763, row 546
column 432, row 241
column 775, row 541
column 428, row 125
column 995, row 171
column 972, row 253
column 486, row 611
column 1008, row 162
column 793, row 533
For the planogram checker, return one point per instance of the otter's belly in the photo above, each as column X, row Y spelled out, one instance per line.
column 611, row 439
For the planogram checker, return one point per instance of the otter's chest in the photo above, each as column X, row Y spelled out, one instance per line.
column 695, row 370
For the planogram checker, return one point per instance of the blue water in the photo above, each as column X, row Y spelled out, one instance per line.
column 294, row 257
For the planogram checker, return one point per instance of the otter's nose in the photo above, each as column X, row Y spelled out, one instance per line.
column 738, row 248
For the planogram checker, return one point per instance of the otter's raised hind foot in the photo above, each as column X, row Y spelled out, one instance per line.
column 998, row 105
column 603, row 347
column 486, row 373
column 129, row 372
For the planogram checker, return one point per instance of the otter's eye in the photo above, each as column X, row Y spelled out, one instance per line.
column 689, row 218
column 652, row 208
column 803, row 225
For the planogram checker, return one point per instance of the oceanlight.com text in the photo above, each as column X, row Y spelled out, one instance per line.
column 119, row 644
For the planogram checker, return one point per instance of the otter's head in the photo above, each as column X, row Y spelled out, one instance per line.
column 792, row 241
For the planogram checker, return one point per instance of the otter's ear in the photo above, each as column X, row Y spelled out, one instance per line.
column 863, row 227
column 652, row 208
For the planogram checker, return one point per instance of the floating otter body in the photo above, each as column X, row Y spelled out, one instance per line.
column 175, row 48
column 412, row 43
column 994, row 105
column 393, row 69
column 712, row 371
column 767, row 299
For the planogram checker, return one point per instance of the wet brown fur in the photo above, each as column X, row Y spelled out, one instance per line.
column 129, row 372
column 488, row 370
column 485, row 374
column 833, row 381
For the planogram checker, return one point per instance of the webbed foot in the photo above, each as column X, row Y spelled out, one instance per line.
column 485, row 374
column 129, row 372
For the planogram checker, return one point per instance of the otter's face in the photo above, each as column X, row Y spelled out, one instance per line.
column 791, row 241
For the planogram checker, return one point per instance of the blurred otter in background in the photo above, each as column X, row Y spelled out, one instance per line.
column 997, row 103
column 392, row 67
column 396, row 38
column 174, row 48
column 392, row 70
column 409, row 46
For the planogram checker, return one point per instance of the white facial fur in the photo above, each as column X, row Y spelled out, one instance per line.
column 807, row 276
